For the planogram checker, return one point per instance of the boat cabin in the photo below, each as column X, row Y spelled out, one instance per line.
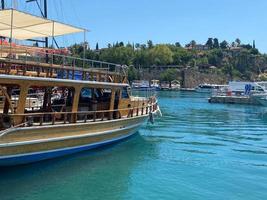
column 47, row 86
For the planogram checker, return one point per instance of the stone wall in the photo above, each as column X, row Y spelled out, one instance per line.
column 192, row 78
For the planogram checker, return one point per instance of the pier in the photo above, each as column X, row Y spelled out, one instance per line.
column 233, row 100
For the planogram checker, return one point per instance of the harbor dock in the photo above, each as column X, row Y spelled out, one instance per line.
column 233, row 100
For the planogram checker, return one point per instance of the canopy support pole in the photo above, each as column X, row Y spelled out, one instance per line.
column 84, row 38
column 53, row 32
column 11, row 34
column 45, row 16
column 3, row 4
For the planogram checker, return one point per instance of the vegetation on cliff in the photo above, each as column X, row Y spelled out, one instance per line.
column 235, row 60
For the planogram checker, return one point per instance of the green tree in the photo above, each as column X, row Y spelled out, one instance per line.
column 143, row 46
column 161, row 55
column 216, row 44
column 202, row 61
column 150, row 44
column 254, row 51
column 209, row 43
column 132, row 73
column 238, row 41
column 122, row 55
column 224, row 44
column 96, row 46
column 233, row 44
column 215, row 57
column 193, row 43
column 177, row 44
column 168, row 75
column 137, row 46
column 246, row 46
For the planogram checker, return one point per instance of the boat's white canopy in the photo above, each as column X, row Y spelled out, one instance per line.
column 21, row 26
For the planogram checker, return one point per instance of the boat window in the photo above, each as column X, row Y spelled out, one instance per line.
column 259, row 89
column 50, row 99
column 106, row 90
column 86, row 93
column 125, row 94
column 97, row 93
column 13, row 93
column 106, row 95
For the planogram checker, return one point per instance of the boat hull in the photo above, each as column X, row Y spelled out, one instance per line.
column 28, row 151
column 260, row 98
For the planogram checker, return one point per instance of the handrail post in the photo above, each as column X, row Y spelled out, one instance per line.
column 85, row 118
column 24, row 120
column 94, row 116
column 102, row 116
column 41, row 119
column 132, row 111
column 1, row 47
column 53, row 118
column 74, row 117
column 65, row 118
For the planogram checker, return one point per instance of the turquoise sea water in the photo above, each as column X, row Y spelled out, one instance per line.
column 196, row 151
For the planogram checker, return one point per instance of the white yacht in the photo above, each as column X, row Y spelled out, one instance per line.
column 208, row 88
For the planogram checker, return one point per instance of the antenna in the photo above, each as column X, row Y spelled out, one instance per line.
column 2, row 4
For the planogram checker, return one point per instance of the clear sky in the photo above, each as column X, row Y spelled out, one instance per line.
column 163, row 21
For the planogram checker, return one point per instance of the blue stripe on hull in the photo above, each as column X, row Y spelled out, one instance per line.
column 34, row 157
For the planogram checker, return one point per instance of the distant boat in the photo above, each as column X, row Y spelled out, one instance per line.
column 175, row 85
column 142, row 85
column 241, row 92
column 247, row 87
column 165, row 85
column 155, row 84
column 208, row 88
column 261, row 98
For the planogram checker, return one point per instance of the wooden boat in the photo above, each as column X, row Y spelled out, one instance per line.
column 85, row 103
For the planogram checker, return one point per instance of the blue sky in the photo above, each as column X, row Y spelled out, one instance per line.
column 162, row 21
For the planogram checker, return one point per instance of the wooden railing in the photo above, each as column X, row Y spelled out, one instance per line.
column 52, row 118
column 41, row 63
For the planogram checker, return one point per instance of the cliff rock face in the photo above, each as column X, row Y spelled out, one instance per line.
column 192, row 78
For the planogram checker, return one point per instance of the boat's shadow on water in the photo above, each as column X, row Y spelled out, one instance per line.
column 113, row 162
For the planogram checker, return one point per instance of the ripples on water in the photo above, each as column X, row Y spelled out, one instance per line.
column 196, row 150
